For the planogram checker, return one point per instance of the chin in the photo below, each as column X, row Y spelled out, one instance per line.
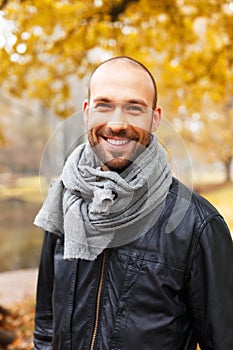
column 118, row 165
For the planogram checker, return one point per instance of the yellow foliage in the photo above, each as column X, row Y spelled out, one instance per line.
column 189, row 50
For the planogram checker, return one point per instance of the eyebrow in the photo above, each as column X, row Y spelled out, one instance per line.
column 137, row 101
column 104, row 99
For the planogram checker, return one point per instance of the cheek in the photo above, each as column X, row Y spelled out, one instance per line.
column 143, row 135
column 142, row 123
column 93, row 136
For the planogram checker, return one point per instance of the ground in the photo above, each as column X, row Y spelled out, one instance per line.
column 17, row 285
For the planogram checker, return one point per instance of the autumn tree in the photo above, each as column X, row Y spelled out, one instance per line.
column 188, row 50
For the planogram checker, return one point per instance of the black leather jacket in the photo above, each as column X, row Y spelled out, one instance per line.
column 165, row 291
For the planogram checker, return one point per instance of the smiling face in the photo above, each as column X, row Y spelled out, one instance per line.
column 119, row 113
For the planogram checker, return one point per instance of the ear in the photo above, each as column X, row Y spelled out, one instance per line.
column 85, row 111
column 156, row 119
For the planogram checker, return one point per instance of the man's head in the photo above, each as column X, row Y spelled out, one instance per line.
column 121, row 111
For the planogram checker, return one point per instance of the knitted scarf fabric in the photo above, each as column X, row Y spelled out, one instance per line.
column 96, row 209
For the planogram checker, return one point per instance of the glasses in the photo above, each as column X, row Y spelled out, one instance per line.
column 126, row 108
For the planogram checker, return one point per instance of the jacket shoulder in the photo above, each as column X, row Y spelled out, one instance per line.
column 191, row 200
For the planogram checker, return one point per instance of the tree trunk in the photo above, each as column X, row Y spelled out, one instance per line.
column 228, row 169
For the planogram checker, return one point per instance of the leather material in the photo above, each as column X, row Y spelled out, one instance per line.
column 165, row 291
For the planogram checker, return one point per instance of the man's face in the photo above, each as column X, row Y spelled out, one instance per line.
column 119, row 115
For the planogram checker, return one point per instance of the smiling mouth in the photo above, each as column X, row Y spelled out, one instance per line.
column 117, row 142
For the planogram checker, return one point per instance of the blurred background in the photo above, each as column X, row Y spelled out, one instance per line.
column 47, row 51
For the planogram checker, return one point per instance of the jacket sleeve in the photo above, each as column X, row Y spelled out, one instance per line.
column 211, row 287
column 43, row 331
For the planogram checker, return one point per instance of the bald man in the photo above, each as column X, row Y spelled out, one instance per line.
column 132, row 259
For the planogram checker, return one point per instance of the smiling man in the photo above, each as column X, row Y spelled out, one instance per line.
column 120, row 112
column 132, row 259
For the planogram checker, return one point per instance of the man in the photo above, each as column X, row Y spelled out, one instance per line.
column 131, row 259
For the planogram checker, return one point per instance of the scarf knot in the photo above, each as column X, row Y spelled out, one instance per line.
column 102, row 201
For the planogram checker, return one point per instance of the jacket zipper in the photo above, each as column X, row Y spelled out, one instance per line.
column 98, row 301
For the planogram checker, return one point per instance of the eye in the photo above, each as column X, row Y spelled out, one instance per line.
column 135, row 109
column 103, row 107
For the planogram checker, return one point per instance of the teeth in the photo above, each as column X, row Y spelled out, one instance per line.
column 117, row 142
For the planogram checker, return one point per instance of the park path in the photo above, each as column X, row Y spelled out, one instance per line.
column 17, row 285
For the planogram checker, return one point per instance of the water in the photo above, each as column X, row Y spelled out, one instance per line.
column 20, row 240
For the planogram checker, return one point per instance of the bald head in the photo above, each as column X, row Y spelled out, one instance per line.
column 125, row 62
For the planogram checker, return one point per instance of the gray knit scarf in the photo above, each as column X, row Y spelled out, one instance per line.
column 96, row 209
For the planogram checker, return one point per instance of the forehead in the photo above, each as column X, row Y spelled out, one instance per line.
column 120, row 81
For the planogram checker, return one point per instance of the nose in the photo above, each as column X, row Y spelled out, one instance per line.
column 117, row 120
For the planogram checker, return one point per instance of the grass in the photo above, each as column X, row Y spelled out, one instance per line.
column 27, row 189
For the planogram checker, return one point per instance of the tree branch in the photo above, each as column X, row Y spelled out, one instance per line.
column 117, row 9
column 3, row 4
